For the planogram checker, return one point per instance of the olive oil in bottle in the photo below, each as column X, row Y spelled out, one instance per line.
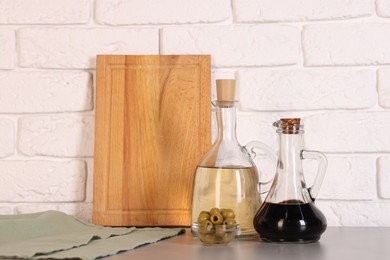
column 231, row 188
column 226, row 177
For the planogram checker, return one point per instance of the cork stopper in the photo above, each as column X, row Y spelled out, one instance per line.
column 226, row 89
column 291, row 121
column 290, row 125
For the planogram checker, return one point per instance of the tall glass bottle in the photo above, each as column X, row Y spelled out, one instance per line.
column 288, row 213
column 227, row 177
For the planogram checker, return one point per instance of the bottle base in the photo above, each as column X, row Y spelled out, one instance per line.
column 292, row 241
column 290, row 223
column 246, row 235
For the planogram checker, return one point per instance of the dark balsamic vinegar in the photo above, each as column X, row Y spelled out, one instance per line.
column 289, row 222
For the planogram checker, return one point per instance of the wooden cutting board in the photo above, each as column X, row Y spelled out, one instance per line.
column 152, row 127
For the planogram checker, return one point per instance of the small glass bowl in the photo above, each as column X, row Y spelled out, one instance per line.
column 215, row 234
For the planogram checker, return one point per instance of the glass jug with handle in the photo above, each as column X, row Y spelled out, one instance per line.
column 227, row 177
column 288, row 213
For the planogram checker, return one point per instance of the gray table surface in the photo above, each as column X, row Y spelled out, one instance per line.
column 346, row 243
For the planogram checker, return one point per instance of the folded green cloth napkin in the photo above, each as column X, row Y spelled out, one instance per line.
column 56, row 235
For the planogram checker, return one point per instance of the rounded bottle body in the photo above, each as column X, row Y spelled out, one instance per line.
column 233, row 188
column 290, row 222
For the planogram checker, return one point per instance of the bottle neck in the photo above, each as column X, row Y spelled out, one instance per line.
column 289, row 184
column 226, row 152
column 290, row 153
column 226, row 120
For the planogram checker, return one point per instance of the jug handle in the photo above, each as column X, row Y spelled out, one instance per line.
column 322, row 165
column 250, row 148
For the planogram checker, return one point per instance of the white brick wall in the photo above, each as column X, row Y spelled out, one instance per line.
column 243, row 45
column 301, row 10
column 384, row 87
column 63, row 136
column 71, row 48
column 346, row 44
column 349, row 178
column 383, row 8
column 32, row 92
column 303, row 89
column 125, row 12
column 349, row 132
column 384, row 177
column 325, row 61
column 7, row 50
column 42, row 181
column 7, row 137
column 355, row 213
column 44, row 11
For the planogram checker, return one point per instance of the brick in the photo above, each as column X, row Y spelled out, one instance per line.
column 348, row 132
column 78, row 47
column 354, row 213
column 346, row 44
column 122, row 12
column 7, row 50
column 384, row 177
column 42, row 181
column 299, row 89
column 80, row 210
column 257, row 45
column 300, row 10
column 32, row 92
column 346, row 178
column 44, row 11
column 7, row 137
column 383, row 8
column 384, row 87
column 66, row 136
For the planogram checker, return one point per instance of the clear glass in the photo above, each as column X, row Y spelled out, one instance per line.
column 227, row 177
column 288, row 213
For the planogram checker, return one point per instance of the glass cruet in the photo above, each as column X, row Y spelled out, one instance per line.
column 288, row 213
column 227, row 177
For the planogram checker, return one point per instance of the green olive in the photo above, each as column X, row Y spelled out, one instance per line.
column 203, row 217
column 229, row 221
column 207, row 223
column 202, row 230
column 219, row 230
column 214, row 210
column 221, row 236
column 216, row 219
column 208, row 239
column 228, row 213
column 205, row 227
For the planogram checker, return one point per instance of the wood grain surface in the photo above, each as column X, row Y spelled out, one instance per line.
column 152, row 127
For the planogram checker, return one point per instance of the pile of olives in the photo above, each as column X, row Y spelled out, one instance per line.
column 217, row 217
column 217, row 226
